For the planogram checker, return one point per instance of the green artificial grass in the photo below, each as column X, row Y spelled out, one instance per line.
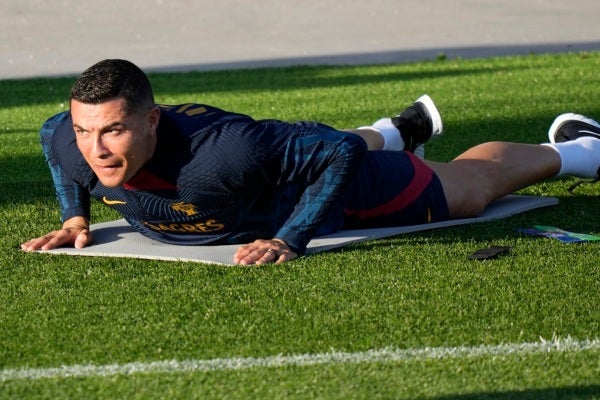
column 410, row 292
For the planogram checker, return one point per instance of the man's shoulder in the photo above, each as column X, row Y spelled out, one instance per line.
column 190, row 118
column 193, row 110
column 60, row 146
column 58, row 123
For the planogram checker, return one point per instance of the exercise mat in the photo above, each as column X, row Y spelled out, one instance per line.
column 118, row 239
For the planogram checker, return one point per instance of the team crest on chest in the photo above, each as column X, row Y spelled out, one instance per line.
column 186, row 208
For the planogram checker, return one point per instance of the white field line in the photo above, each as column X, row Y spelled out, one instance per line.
column 371, row 356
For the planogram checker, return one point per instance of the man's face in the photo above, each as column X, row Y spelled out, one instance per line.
column 114, row 143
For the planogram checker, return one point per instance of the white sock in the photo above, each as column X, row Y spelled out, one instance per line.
column 580, row 157
column 391, row 135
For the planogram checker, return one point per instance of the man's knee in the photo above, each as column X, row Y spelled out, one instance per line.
column 472, row 205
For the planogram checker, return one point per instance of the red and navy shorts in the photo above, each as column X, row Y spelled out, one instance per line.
column 394, row 189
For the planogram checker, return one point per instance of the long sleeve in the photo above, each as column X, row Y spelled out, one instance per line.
column 73, row 198
column 323, row 164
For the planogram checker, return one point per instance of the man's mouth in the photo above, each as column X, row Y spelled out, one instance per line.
column 107, row 169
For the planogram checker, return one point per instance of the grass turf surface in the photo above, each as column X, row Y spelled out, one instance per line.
column 413, row 291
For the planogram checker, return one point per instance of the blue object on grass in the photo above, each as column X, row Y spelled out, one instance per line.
column 559, row 234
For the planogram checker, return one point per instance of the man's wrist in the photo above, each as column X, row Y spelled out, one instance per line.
column 76, row 223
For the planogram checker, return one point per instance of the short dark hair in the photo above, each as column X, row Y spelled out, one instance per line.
column 113, row 79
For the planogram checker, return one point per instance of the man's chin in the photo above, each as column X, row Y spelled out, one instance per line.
column 110, row 182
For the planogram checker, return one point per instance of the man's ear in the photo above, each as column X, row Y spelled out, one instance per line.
column 153, row 117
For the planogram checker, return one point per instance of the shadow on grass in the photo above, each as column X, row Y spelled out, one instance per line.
column 15, row 93
column 293, row 78
column 25, row 179
column 570, row 392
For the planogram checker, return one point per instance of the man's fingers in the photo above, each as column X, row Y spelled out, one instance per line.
column 254, row 255
column 64, row 237
column 38, row 243
column 264, row 251
column 30, row 245
column 56, row 239
column 240, row 254
column 268, row 256
column 285, row 257
column 276, row 257
column 83, row 239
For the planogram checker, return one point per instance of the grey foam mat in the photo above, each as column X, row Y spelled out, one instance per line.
column 118, row 239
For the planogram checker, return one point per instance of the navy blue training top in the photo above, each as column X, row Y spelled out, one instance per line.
column 218, row 177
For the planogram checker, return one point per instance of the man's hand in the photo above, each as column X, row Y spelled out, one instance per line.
column 75, row 232
column 264, row 251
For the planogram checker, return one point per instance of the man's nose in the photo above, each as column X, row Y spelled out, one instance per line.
column 99, row 148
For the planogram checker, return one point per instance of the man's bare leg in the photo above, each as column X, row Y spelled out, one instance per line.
column 372, row 136
column 490, row 171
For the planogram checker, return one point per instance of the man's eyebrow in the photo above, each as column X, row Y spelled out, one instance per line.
column 78, row 127
column 116, row 124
